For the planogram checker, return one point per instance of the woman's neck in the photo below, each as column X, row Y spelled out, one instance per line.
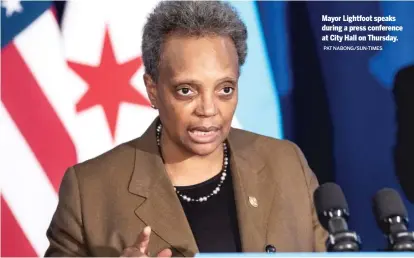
column 185, row 168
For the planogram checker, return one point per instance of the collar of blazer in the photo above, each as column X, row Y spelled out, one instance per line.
column 161, row 208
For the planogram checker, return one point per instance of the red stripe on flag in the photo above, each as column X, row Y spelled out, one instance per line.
column 54, row 12
column 35, row 117
column 14, row 242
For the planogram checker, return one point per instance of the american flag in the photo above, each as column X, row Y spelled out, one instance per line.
column 73, row 90
column 69, row 93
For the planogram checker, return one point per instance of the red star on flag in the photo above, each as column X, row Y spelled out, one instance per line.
column 109, row 84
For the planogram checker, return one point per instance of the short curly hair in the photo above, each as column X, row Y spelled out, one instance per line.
column 191, row 18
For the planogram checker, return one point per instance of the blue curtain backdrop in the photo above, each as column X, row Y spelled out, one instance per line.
column 347, row 110
column 341, row 106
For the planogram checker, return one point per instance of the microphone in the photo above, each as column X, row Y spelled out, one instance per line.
column 392, row 219
column 333, row 213
column 270, row 249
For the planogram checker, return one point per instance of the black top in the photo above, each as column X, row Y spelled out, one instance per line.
column 213, row 222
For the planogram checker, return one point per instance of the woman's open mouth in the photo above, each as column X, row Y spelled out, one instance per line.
column 204, row 134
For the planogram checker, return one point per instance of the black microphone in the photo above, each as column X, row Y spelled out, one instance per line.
column 270, row 249
column 392, row 218
column 333, row 213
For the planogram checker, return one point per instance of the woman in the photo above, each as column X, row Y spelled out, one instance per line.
column 190, row 183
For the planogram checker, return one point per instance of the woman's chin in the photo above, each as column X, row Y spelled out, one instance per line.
column 203, row 149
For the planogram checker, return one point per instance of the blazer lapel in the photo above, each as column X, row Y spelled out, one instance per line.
column 161, row 208
column 253, row 193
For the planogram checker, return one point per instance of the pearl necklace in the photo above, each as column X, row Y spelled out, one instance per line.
column 222, row 178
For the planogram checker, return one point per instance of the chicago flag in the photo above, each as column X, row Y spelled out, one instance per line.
column 74, row 91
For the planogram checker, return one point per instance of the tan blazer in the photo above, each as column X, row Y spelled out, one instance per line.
column 105, row 202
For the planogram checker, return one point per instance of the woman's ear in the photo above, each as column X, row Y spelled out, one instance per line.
column 151, row 88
